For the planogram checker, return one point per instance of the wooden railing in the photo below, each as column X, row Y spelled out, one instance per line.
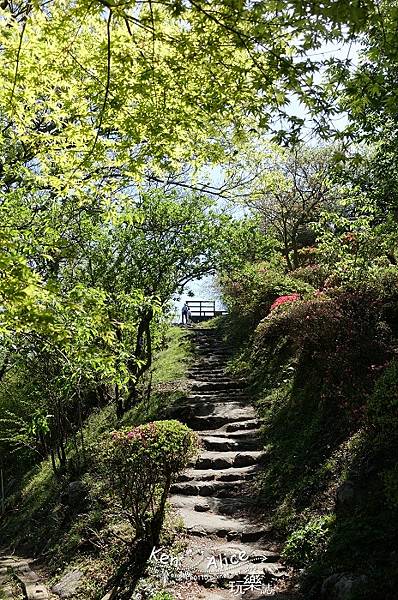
column 202, row 308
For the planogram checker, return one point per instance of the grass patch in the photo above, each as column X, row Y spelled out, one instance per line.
column 171, row 363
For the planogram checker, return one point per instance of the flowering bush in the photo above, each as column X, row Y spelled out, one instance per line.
column 283, row 299
column 140, row 465
column 341, row 334
column 251, row 291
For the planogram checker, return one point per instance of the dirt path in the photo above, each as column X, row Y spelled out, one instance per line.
column 229, row 554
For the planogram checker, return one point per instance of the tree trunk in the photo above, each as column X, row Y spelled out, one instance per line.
column 130, row 572
column 143, row 351
column 295, row 255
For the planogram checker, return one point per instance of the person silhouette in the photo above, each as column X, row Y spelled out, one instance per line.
column 185, row 312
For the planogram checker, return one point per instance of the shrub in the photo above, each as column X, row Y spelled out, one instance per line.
column 390, row 481
column 384, row 280
column 306, row 544
column 314, row 275
column 382, row 406
column 140, row 465
column 251, row 291
column 342, row 334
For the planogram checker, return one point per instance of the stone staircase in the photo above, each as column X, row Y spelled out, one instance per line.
column 229, row 552
column 213, row 496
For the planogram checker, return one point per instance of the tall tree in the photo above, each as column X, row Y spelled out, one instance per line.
column 289, row 189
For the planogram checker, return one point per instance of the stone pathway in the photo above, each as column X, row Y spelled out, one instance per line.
column 30, row 582
column 229, row 553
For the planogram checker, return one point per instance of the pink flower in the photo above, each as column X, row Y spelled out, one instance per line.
column 283, row 299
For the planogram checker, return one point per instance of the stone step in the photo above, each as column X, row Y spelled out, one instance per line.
column 205, row 352
column 204, row 397
column 217, row 420
column 206, row 358
column 228, row 554
column 211, row 360
column 210, row 366
column 216, row 385
column 214, row 340
column 204, row 332
column 216, row 372
column 225, row 460
column 228, row 506
column 201, row 409
column 219, row 393
column 207, row 385
column 215, row 489
column 249, row 424
column 221, row 387
column 210, row 347
column 231, row 474
column 215, row 525
column 209, row 377
column 32, row 587
column 200, row 364
column 228, row 412
column 225, row 444
column 234, row 562
column 248, row 427
column 253, row 434
column 198, row 367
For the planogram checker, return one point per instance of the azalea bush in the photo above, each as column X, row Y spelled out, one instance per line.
column 140, row 465
column 284, row 299
column 251, row 291
column 342, row 333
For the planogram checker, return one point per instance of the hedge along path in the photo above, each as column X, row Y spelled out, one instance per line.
column 31, row 584
column 227, row 545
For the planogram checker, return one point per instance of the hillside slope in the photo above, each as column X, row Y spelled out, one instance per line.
column 324, row 377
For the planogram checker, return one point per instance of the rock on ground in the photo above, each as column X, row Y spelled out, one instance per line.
column 343, row 586
column 68, row 585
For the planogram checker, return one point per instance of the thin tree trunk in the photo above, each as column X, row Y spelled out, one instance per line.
column 143, row 350
column 134, row 568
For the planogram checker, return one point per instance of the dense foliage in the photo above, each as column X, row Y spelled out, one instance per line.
column 124, row 128
column 320, row 355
